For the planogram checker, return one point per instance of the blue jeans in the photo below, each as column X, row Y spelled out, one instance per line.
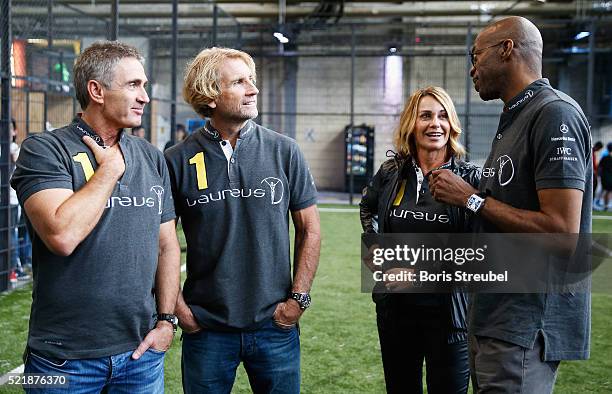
column 25, row 245
column 271, row 357
column 21, row 247
column 14, row 262
column 117, row 374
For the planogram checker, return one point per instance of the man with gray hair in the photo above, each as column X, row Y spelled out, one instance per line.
column 537, row 179
column 235, row 183
column 105, row 251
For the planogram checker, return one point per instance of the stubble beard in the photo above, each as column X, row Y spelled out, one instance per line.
column 494, row 85
column 241, row 114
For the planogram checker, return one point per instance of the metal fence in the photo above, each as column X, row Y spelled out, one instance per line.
column 327, row 77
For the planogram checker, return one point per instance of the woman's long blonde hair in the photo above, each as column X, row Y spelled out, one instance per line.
column 403, row 138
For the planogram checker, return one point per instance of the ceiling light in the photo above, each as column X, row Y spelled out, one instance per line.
column 581, row 35
column 280, row 37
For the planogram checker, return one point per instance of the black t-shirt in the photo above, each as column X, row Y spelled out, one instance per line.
column 99, row 301
column 235, row 216
column 543, row 142
column 414, row 210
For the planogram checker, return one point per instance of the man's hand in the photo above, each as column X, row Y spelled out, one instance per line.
column 188, row 322
column 111, row 159
column 64, row 218
column 287, row 314
column 450, row 188
column 159, row 338
column 368, row 260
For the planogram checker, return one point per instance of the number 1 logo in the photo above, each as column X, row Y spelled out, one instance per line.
column 83, row 160
column 198, row 161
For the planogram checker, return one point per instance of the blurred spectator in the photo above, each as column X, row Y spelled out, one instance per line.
column 17, row 260
column 605, row 173
column 139, row 132
column 179, row 136
column 596, row 148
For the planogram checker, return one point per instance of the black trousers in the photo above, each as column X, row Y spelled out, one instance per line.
column 411, row 334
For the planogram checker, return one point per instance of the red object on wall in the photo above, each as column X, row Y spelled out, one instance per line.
column 19, row 63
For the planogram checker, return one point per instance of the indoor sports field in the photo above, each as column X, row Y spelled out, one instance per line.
column 340, row 351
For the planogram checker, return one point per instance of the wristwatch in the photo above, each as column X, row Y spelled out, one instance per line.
column 475, row 202
column 172, row 319
column 302, row 298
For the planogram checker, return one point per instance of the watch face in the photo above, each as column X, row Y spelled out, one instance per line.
column 303, row 299
column 474, row 203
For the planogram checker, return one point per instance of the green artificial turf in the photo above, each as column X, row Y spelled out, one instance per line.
column 340, row 351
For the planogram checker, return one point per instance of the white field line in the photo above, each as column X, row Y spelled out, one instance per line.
column 343, row 210
column 4, row 379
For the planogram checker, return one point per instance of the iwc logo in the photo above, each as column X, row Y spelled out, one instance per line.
column 276, row 189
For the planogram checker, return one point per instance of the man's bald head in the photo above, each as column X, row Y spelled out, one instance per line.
column 525, row 35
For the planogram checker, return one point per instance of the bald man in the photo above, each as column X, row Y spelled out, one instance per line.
column 537, row 179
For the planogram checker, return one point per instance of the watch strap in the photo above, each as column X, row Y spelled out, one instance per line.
column 301, row 298
column 170, row 318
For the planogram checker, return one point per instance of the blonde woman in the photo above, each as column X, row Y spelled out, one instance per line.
column 414, row 328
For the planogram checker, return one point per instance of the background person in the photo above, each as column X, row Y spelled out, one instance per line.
column 179, row 136
column 605, row 173
column 596, row 148
column 139, row 132
column 413, row 328
column 19, row 254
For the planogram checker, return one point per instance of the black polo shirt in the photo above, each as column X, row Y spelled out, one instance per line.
column 235, row 215
column 543, row 142
column 98, row 301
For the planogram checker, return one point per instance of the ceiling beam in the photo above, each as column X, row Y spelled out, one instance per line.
column 423, row 9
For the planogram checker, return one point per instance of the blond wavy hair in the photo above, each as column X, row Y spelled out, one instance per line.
column 403, row 138
column 202, row 77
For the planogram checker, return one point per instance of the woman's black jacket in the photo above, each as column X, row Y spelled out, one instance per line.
column 378, row 196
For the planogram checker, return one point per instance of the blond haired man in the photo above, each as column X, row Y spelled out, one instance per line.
column 234, row 184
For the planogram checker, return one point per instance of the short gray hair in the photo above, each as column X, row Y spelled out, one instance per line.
column 97, row 62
